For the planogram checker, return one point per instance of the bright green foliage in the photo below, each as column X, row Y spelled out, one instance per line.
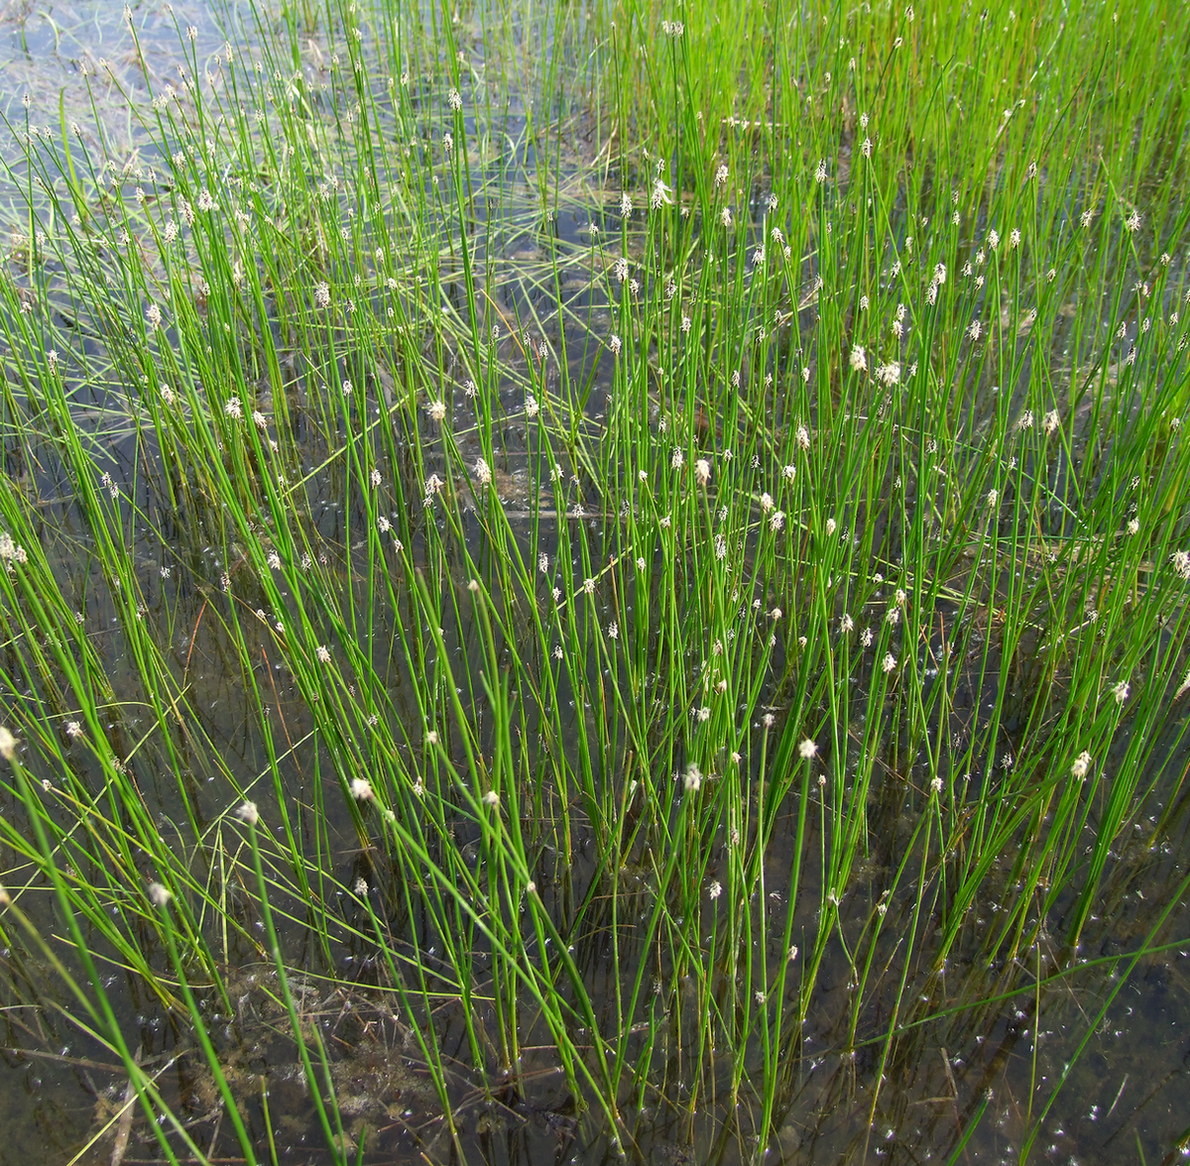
column 625, row 565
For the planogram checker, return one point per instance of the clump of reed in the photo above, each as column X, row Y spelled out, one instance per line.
column 645, row 640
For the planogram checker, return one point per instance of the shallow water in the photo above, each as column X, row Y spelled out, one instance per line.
column 964, row 1044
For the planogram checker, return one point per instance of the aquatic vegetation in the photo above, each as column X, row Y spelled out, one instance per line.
column 550, row 605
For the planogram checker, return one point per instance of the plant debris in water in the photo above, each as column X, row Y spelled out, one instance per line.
column 554, row 606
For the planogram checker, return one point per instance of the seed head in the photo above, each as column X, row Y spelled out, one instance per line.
column 11, row 552
column 662, row 195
